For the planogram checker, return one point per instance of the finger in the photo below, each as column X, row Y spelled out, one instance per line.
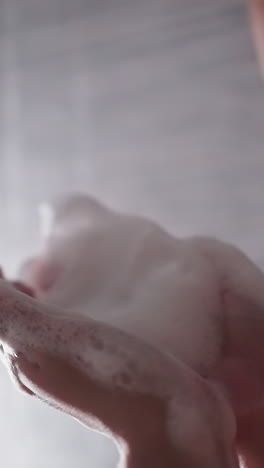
column 19, row 285
column 24, row 288
column 49, row 373
column 256, row 13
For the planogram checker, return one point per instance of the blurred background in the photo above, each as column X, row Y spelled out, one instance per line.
column 155, row 106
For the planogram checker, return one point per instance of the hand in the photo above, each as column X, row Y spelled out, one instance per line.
column 159, row 411
column 138, row 420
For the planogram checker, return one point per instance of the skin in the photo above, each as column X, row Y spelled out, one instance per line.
column 251, row 426
column 129, row 415
column 210, row 289
column 256, row 16
column 116, row 384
